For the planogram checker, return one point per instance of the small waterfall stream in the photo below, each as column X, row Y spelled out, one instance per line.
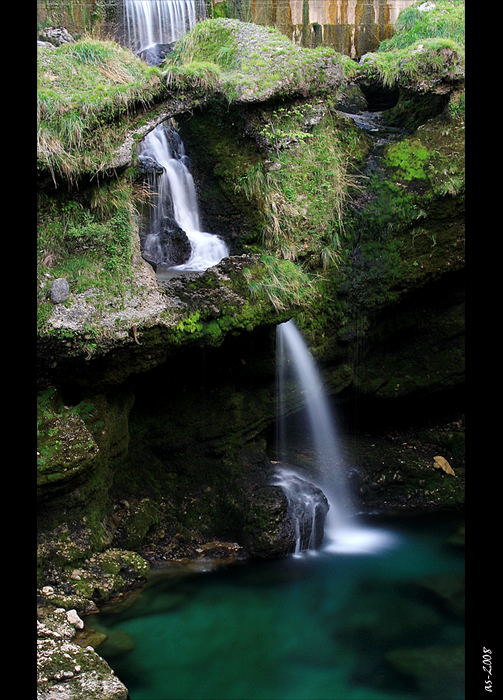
column 175, row 213
column 343, row 532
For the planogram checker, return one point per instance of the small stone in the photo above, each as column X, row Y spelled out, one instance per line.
column 56, row 36
column 74, row 619
column 60, row 291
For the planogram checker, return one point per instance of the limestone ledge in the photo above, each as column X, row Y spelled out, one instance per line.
column 153, row 320
column 67, row 670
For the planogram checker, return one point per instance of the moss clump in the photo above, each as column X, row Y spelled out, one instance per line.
column 254, row 62
column 410, row 158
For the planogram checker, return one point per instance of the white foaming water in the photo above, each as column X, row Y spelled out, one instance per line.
column 150, row 22
column 175, row 188
column 303, row 507
column 358, row 539
column 343, row 533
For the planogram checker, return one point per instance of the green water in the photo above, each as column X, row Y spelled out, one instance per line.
column 326, row 625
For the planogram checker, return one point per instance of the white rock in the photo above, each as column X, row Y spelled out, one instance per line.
column 74, row 619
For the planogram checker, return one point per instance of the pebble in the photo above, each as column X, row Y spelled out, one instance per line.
column 74, row 619
column 60, row 291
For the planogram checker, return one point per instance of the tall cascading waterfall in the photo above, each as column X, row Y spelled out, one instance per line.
column 295, row 362
column 151, row 22
column 343, row 532
column 174, row 241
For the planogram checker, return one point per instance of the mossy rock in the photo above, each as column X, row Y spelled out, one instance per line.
column 108, row 573
column 135, row 523
column 265, row 534
column 250, row 63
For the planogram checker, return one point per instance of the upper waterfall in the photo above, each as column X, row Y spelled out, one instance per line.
column 174, row 241
column 150, row 22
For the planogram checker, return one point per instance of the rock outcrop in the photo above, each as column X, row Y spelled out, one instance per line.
column 157, row 395
column 68, row 670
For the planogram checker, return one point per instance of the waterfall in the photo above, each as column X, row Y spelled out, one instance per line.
column 343, row 532
column 150, row 22
column 295, row 358
column 175, row 217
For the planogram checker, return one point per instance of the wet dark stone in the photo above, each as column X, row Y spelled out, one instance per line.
column 156, row 54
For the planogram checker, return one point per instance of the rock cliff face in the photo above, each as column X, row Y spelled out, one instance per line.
column 339, row 189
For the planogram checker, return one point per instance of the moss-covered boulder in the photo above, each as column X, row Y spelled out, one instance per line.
column 67, row 669
column 245, row 63
column 77, row 446
column 84, row 88
column 78, row 579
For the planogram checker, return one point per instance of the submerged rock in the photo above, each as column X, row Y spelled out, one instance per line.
column 437, row 670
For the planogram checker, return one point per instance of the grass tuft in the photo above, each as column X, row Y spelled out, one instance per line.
column 303, row 201
column 82, row 90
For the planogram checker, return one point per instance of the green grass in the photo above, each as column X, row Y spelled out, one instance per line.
column 88, row 238
column 203, row 75
column 83, row 88
column 209, row 41
column 425, row 44
column 303, row 201
column 445, row 21
column 281, row 282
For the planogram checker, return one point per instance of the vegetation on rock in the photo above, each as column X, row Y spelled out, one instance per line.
column 83, row 90
column 354, row 235
column 245, row 62
column 426, row 50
